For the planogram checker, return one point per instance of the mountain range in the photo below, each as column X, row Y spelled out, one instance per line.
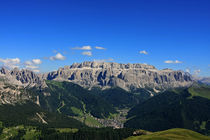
column 100, row 94
column 90, row 75
column 103, row 75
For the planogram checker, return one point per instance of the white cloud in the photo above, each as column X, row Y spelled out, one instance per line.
column 172, row 62
column 88, row 53
column 28, row 63
column 37, row 61
column 83, row 48
column 100, row 48
column 103, row 60
column 58, row 56
column 168, row 61
column 33, row 62
column 10, row 63
column 33, row 65
column 177, row 61
column 143, row 52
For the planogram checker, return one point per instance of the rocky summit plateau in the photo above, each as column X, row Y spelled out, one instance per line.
column 103, row 75
column 126, row 76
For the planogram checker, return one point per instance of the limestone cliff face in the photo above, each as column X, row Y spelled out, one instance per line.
column 103, row 75
column 126, row 76
column 21, row 77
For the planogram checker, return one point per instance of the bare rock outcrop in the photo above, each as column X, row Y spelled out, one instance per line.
column 22, row 77
column 126, row 76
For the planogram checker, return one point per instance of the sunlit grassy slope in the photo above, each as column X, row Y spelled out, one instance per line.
column 172, row 134
column 202, row 91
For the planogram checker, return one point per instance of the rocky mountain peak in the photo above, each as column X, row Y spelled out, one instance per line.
column 126, row 76
column 104, row 75
column 23, row 77
column 110, row 65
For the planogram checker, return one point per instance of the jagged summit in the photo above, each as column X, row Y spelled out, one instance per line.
column 21, row 77
column 113, row 65
column 126, row 76
column 104, row 75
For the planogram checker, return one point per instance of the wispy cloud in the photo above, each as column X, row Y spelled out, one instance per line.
column 83, row 48
column 58, row 56
column 143, row 52
column 10, row 62
column 33, row 65
column 33, row 62
column 173, row 62
column 37, row 61
column 100, row 48
column 103, row 60
column 88, row 53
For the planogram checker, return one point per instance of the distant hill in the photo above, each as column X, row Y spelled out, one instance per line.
column 178, row 108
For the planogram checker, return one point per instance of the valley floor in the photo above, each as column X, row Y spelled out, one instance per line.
column 115, row 121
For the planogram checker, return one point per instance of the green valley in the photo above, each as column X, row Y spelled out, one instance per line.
column 64, row 110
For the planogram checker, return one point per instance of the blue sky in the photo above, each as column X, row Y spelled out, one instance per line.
column 173, row 33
